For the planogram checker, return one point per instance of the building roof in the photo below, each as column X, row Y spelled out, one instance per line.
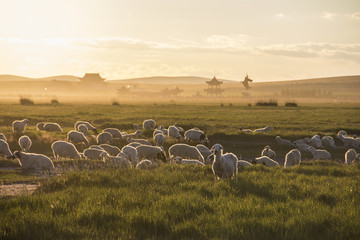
column 214, row 81
column 92, row 77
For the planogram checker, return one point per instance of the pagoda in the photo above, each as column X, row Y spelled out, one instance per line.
column 93, row 78
column 214, row 87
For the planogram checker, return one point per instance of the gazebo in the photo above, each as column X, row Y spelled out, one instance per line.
column 214, row 87
column 214, row 83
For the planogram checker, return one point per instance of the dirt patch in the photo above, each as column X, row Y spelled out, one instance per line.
column 17, row 189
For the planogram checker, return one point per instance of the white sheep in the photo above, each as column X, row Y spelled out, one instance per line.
column 96, row 147
column 120, row 161
column 341, row 133
column 2, row 136
column 40, row 126
column 350, row 156
column 149, row 124
column 179, row 160
column 132, row 154
column 173, row 132
column 33, row 161
column 63, row 149
column 5, row 149
column 266, row 161
column 133, row 135
column 160, row 139
column 243, row 163
column 195, row 135
column 164, row 130
column 114, row 132
column 144, row 164
column 264, row 129
column 185, row 151
column 267, row 151
column 224, row 165
column 349, row 142
column 88, row 125
column 93, row 154
column 139, row 140
column 319, row 153
column 52, row 127
column 328, row 141
column 247, row 130
column 25, row 143
column 204, row 150
column 104, row 137
column 157, row 131
column 181, row 129
column 301, row 146
column 292, row 158
column 83, row 128
column 282, row 141
column 19, row 125
column 314, row 141
column 112, row 150
column 77, row 137
column 151, row 152
column 134, row 144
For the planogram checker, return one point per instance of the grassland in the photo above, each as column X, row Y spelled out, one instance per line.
column 316, row 200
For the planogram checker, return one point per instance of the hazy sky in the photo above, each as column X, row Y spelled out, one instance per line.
column 270, row 40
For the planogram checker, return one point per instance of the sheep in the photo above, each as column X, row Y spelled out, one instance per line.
column 263, row 130
column 224, row 165
column 195, row 135
column 328, row 141
column 247, row 130
column 185, row 151
column 93, row 154
column 33, row 161
column 139, row 140
column 144, row 164
column 341, row 133
column 160, row 139
column 88, row 125
column 173, row 132
column 243, row 163
column 118, row 161
column 132, row 154
column 301, row 146
column 25, row 143
column 83, row 128
column 266, row 161
column 284, row 142
column 157, row 131
column 292, row 158
column 350, row 156
column 163, row 129
column 2, row 136
column 318, row 153
column 114, row 132
column 5, row 149
column 52, row 127
column 134, row 144
column 104, row 137
column 19, row 126
column 149, row 124
column 112, row 150
column 63, row 149
column 181, row 129
column 179, row 160
column 96, row 147
column 151, row 152
column 40, row 126
column 314, row 141
column 268, row 152
column 133, row 135
column 204, row 150
column 77, row 137
column 349, row 142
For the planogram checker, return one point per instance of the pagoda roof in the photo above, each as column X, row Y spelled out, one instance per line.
column 92, row 77
column 214, row 81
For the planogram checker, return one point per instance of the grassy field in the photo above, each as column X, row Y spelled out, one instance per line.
column 316, row 200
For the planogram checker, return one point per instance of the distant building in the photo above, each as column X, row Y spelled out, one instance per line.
column 92, row 78
column 214, row 83
column 214, row 87
column 171, row 92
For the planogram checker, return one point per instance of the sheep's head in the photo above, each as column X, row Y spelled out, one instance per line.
column 277, row 137
column 309, row 149
column 267, row 147
column 178, row 159
column 16, row 154
column 217, row 148
column 254, row 161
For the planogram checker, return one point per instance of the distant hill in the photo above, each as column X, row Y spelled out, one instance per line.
column 168, row 80
column 26, row 79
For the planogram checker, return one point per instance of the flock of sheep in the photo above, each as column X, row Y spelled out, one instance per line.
column 140, row 152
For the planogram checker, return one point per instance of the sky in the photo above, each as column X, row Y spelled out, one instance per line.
column 271, row 40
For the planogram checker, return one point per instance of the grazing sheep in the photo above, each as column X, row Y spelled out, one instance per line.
column 93, row 154
column 314, row 141
column 40, row 126
column 224, row 165
column 120, row 161
column 350, row 156
column 341, row 133
column 266, row 161
column 2, row 136
column 88, row 125
column 139, row 140
column 132, row 154
column 157, row 131
column 114, row 132
column 133, row 135
column 292, row 158
column 268, row 152
column 104, row 137
column 149, row 124
column 134, row 144
column 210, row 159
column 151, row 152
column 144, row 164
column 83, row 128
column 204, row 150
column 264, row 129
column 96, row 147
column 195, row 135
column 319, row 153
column 164, row 130
column 25, row 143
column 179, row 160
column 19, row 125
column 243, row 163
column 284, row 142
column 159, row 139
column 112, row 150
column 181, row 129
column 328, row 141
column 77, row 137
column 173, row 132
column 247, row 130
column 301, row 146
column 349, row 142
column 185, row 151
column 5, row 149
column 52, row 127
column 33, row 161
column 63, row 149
